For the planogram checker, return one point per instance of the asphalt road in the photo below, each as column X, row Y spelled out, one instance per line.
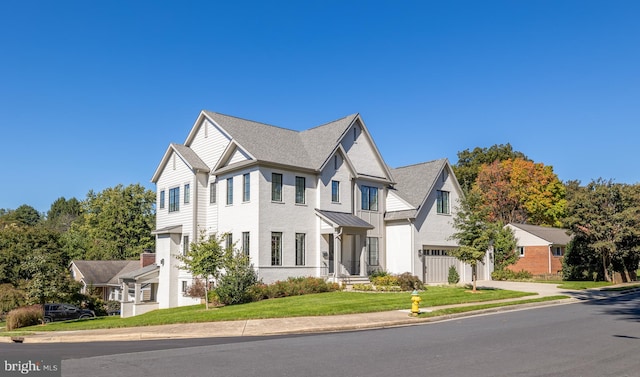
column 594, row 338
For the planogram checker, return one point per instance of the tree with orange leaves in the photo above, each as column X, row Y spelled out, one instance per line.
column 520, row 191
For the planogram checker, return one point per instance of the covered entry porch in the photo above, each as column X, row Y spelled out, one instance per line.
column 344, row 247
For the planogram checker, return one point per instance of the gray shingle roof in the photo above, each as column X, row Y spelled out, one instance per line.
column 344, row 219
column 555, row 236
column 414, row 182
column 103, row 272
column 190, row 157
column 133, row 275
column 306, row 149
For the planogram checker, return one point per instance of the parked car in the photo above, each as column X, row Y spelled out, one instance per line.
column 64, row 312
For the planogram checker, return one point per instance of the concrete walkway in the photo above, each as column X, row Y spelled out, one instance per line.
column 298, row 325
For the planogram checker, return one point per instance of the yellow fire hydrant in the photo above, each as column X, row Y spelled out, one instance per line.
column 415, row 303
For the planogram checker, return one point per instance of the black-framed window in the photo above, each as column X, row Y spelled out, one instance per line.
column 228, row 244
column 174, row 199
column 162, row 199
column 443, row 202
column 187, row 193
column 246, row 187
column 300, row 248
column 301, row 184
column 276, row 187
column 276, row 248
column 369, row 198
column 213, row 192
column 246, row 239
column 230, row 191
column 185, row 244
column 335, row 191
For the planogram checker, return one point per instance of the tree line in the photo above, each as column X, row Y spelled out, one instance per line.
column 36, row 249
column 504, row 186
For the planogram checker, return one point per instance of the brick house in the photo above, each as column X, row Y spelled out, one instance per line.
column 540, row 248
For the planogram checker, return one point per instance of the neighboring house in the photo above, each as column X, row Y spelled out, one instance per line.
column 540, row 249
column 319, row 202
column 111, row 279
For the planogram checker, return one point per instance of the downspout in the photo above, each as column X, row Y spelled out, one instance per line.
column 195, row 208
column 411, row 250
column 550, row 259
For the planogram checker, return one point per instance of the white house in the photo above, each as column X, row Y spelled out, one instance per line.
column 319, row 202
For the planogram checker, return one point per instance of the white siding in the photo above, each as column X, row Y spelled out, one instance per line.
column 395, row 203
column 175, row 175
column 399, row 248
column 209, row 147
column 527, row 239
column 238, row 156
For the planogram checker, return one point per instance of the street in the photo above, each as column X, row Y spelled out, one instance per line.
column 592, row 338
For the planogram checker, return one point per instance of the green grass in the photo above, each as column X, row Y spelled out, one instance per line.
column 576, row 285
column 331, row 303
column 625, row 288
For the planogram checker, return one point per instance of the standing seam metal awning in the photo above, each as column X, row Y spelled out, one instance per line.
column 341, row 219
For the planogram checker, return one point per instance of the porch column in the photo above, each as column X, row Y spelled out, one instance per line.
column 125, row 292
column 337, row 254
column 364, row 266
column 136, row 292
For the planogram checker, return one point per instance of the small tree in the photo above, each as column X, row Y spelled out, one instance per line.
column 474, row 233
column 238, row 277
column 504, row 247
column 453, row 277
column 205, row 259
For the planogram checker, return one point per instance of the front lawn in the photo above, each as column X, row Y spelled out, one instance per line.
column 331, row 303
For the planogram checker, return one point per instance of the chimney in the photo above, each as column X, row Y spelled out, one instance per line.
column 147, row 259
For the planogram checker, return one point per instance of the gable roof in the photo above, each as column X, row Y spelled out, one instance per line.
column 104, row 272
column 309, row 149
column 414, row 182
column 187, row 155
column 555, row 236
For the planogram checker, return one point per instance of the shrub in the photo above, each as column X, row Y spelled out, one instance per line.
column 293, row 286
column 453, row 277
column 510, row 275
column 362, row 287
column 385, row 280
column 409, row 282
column 233, row 286
column 24, row 316
column 378, row 273
column 196, row 289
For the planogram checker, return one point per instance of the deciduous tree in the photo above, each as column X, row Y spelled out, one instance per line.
column 470, row 162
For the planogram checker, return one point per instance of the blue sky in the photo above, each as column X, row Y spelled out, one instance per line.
column 92, row 93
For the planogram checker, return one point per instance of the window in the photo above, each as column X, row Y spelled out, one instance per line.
column 246, row 187
column 355, row 133
column 213, row 188
column 557, row 251
column 335, row 191
column 372, row 251
column 336, row 162
column 245, row 243
column 187, row 193
column 300, row 247
column 276, row 248
column 443, row 202
column 184, row 287
column 185, row 245
column 301, row 184
column 369, row 198
column 520, row 251
column 228, row 241
column 174, row 199
column 162, row 199
column 229, row 191
column 276, row 187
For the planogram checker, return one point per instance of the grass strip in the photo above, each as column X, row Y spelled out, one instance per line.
column 464, row 309
column 322, row 304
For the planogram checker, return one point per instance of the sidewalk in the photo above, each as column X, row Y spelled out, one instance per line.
column 299, row 325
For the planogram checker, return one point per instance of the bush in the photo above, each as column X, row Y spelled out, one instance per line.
column 196, row 289
column 362, row 287
column 293, row 286
column 378, row 273
column 385, row 281
column 453, row 277
column 25, row 316
column 233, row 286
column 409, row 282
column 510, row 275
